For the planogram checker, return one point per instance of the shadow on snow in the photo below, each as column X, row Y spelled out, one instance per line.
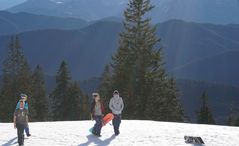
column 93, row 139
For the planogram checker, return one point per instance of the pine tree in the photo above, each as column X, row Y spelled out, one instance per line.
column 59, row 96
column 205, row 116
column 75, row 103
column 237, row 121
column 85, row 107
column 106, row 88
column 137, row 69
column 164, row 104
column 39, row 97
column 16, row 79
column 233, row 119
column 131, row 60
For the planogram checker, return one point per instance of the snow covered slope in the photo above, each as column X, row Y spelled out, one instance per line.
column 133, row 133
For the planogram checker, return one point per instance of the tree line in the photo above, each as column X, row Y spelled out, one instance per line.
column 136, row 70
column 65, row 102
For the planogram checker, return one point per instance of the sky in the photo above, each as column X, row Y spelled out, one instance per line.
column 4, row 4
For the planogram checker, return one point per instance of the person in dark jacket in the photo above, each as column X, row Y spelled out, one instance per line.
column 20, row 120
column 97, row 112
column 24, row 98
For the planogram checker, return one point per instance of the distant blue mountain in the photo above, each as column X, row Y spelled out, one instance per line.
column 218, row 69
column 204, row 11
column 21, row 22
column 191, row 50
column 84, row 9
column 86, row 50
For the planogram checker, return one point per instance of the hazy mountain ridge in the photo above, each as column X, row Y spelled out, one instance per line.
column 87, row 50
column 213, row 11
column 20, row 22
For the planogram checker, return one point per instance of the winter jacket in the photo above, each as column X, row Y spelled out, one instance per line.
column 116, row 105
column 93, row 108
column 21, row 116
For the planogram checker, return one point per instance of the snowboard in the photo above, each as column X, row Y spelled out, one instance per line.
column 193, row 140
column 106, row 119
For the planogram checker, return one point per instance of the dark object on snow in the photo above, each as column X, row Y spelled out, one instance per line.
column 193, row 140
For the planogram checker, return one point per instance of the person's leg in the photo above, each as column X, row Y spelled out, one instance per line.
column 20, row 134
column 98, row 125
column 116, row 123
column 27, row 130
column 95, row 125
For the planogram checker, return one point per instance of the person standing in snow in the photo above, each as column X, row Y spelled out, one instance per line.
column 20, row 120
column 24, row 98
column 116, row 105
column 97, row 111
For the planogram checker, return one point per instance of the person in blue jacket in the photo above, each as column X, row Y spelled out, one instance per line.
column 24, row 97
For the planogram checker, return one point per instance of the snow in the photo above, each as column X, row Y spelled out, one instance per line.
column 133, row 133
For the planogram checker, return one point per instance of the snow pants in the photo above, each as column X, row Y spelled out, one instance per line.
column 20, row 133
column 98, row 124
column 116, row 123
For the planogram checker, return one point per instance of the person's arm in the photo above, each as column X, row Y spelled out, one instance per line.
column 111, row 105
column 122, row 104
column 27, row 119
column 91, row 116
column 91, row 110
column 102, row 109
column 14, row 120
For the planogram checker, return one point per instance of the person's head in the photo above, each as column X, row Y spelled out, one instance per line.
column 23, row 97
column 96, row 97
column 116, row 93
column 21, row 101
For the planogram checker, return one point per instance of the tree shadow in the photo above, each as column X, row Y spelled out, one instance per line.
column 93, row 139
column 10, row 142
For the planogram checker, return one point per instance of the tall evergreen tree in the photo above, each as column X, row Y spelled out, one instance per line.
column 106, row 86
column 16, row 79
column 67, row 100
column 138, row 71
column 59, row 96
column 233, row 119
column 74, row 104
column 39, row 97
column 205, row 116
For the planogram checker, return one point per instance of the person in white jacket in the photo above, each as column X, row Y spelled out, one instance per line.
column 116, row 105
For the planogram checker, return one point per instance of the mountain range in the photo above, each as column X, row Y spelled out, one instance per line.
column 203, row 11
column 86, row 50
column 191, row 50
column 201, row 56
column 21, row 22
